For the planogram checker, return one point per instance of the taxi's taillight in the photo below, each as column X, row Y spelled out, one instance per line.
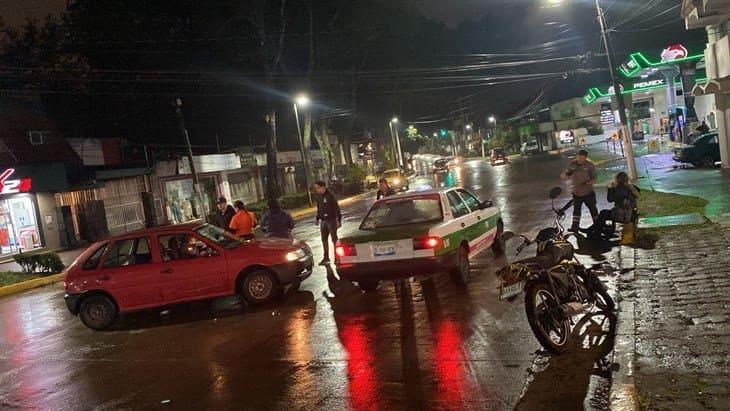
column 345, row 250
column 427, row 243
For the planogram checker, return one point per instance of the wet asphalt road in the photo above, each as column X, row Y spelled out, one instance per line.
column 414, row 345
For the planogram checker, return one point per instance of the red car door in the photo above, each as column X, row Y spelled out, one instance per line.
column 128, row 272
column 191, row 268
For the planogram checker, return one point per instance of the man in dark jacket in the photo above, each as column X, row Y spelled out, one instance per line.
column 329, row 218
column 224, row 214
column 277, row 222
column 384, row 190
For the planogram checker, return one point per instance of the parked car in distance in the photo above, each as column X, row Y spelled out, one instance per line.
column 529, row 147
column 498, row 156
column 396, row 180
column 441, row 165
column 370, row 182
column 703, row 152
column 178, row 263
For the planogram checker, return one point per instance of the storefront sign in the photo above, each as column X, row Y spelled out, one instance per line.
column 13, row 186
column 567, row 136
column 674, row 52
column 210, row 163
column 607, row 117
column 649, row 83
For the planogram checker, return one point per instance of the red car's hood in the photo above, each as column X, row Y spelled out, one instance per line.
column 281, row 244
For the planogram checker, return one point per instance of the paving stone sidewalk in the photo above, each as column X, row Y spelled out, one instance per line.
column 681, row 295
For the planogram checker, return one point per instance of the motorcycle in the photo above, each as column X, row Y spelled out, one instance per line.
column 557, row 286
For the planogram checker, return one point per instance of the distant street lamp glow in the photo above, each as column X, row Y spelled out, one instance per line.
column 468, row 126
column 302, row 100
column 394, row 120
column 491, row 119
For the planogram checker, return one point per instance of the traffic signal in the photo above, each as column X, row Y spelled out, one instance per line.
column 443, row 133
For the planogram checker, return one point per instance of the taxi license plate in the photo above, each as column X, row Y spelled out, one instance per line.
column 510, row 290
column 384, row 250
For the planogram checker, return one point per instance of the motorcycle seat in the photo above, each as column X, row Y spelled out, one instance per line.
column 543, row 261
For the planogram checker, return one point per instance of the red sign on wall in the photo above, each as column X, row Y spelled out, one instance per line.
column 13, row 186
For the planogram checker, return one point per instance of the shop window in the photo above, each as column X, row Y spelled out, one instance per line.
column 18, row 225
column 133, row 251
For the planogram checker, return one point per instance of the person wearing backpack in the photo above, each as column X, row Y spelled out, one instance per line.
column 624, row 196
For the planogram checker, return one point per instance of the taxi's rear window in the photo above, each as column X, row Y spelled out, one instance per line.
column 414, row 210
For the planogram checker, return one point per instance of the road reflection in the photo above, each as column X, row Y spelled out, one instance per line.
column 563, row 381
column 428, row 373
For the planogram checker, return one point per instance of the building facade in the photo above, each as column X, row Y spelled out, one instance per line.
column 714, row 17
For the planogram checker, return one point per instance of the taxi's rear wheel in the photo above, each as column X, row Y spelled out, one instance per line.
column 98, row 311
column 368, row 285
column 461, row 271
column 258, row 286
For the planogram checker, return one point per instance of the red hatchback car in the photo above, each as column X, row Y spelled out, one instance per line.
column 172, row 264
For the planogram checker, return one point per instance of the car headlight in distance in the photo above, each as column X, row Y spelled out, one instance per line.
column 396, row 181
column 295, row 255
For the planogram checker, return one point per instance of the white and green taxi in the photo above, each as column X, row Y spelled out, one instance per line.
column 419, row 233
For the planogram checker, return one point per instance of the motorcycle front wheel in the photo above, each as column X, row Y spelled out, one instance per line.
column 543, row 313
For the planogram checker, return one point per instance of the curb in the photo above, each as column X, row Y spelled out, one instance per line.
column 345, row 201
column 30, row 284
column 623, row 395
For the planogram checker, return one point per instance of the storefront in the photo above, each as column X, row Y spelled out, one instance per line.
column 219, row 175
column 27, row 210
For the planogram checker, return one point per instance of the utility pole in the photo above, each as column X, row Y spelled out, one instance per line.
column 196, row 183
column 617, row 94
column 303, row 101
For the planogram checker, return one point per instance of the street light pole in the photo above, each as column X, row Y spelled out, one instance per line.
column 394, row 126
column 617, row 94
column 303, row 100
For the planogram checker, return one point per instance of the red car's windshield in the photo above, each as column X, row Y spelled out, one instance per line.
column 219, row 236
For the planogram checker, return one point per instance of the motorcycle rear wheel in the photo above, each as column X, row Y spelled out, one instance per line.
column 541, row 307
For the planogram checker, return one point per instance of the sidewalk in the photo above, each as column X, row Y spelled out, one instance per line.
column 680, row 324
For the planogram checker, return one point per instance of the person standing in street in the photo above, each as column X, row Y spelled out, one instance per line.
column 277, row 222
column 582, row 172
column 384, row 190
column 243, row 223
column 224, row 214
column 329, row 218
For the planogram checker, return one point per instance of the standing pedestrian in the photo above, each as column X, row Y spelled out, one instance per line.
column 582, row 172
column 384, row 190
column 224, row 214
column 329, row 218
column 243, row 222
column 276, row 222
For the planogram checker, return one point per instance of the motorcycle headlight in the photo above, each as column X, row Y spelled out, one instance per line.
column 295, row 255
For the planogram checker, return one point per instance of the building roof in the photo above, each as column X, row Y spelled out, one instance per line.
column 20, row 117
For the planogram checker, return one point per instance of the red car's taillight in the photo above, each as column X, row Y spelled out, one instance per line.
column 427, row 243
column 345, row 250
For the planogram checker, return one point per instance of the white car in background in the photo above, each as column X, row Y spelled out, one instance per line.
column 529, row 147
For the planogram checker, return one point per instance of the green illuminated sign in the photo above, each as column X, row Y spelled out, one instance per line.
column 673, row 54
column 595, row 93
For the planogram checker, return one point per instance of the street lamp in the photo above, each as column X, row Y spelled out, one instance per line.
column 303, row 101
column 399, row 154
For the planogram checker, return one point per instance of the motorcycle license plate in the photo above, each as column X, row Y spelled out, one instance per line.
column 510, row 290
